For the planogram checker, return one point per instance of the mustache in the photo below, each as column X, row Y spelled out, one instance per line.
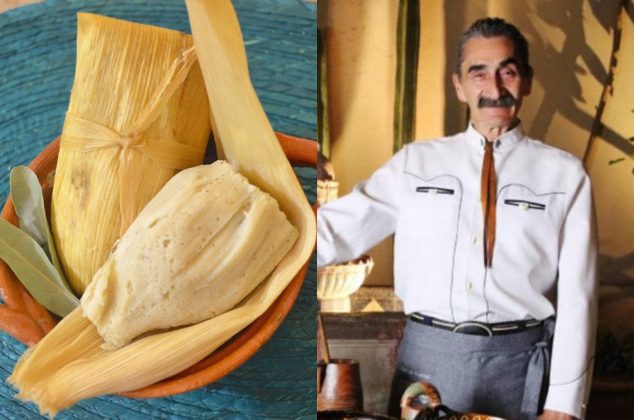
column 505, row 101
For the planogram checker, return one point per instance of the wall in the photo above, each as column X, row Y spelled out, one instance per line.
column 360, row 40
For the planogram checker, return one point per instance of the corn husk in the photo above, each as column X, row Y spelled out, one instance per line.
column 137, row 114
column 248, row 142
column 56, row 376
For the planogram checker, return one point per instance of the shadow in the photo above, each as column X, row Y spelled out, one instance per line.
column 456, row 114
column 455, row 118
column 551, row 64
column 601, row 9
column 558, row 71
column 613, row 270
column 351, row 59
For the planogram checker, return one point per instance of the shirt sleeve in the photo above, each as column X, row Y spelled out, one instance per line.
column 350, row 225
column 575, row 330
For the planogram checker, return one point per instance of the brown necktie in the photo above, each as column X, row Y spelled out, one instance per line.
column 488, row 188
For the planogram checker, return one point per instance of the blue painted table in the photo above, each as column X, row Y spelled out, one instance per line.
column 37, row 60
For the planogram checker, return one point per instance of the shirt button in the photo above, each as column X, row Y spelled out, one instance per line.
column 525, row 206
column 469, row 285
column 474, row 240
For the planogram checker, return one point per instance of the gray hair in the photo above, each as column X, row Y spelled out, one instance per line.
column 493, row 27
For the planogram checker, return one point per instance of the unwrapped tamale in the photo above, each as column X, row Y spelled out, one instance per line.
column 202, row 244
column 138, row 113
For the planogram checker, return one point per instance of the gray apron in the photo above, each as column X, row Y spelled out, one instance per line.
column 501, row 375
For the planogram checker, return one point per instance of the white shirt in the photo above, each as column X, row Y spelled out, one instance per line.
column 544, row 258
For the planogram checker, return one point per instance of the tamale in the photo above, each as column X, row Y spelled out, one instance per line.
column 57, row 376
column 246, row 135
column 137, row 114
column 202, row 244
column 198, row 248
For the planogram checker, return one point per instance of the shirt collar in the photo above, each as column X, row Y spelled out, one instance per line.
column 502, row 144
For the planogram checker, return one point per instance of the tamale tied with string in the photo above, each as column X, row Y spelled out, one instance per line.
column 138, row 113
column 74, row 361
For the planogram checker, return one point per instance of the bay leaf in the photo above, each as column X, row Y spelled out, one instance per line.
column 28, row 201
column 34, row 270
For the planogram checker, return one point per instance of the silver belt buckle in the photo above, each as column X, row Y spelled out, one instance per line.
column 474, row 328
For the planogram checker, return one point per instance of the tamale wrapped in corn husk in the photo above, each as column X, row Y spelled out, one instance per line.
column 138, row 113
column 71, row 363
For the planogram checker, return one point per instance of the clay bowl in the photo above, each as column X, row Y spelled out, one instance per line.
column 26, row 320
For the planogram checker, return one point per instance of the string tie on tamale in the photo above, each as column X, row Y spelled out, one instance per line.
column 83, row 135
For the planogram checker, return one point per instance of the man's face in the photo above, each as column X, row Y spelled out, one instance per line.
column 490, row 82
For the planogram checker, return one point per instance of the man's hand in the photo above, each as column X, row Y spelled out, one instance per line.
column 555, row 415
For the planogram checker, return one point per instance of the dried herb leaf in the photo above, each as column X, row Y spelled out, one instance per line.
column 33, row 268
column 28, row 201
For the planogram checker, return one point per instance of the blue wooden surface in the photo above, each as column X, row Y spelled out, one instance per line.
column 37, row 59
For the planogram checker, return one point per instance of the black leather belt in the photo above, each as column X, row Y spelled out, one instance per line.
column 476, row 328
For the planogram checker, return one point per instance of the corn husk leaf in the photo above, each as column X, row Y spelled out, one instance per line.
column 120, row 88
column 246, row 135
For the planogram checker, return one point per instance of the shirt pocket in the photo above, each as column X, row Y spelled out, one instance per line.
column 529, row 221
column 426, row 238
column 431, row 209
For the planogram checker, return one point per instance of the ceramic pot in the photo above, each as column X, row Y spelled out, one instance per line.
column 339, row 386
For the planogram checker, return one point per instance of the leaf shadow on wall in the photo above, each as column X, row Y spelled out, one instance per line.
column 558, row 71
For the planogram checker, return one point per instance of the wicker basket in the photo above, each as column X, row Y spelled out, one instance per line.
column 327, row 190
column 335, row 283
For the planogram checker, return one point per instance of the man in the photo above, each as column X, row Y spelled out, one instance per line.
column 494, row 240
